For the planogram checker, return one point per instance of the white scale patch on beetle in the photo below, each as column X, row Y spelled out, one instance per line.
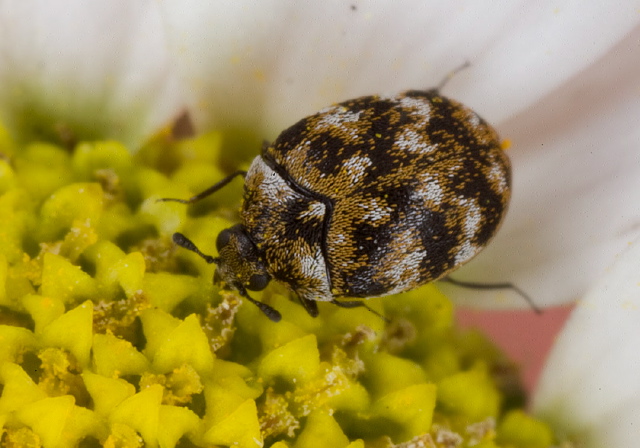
column 314, row 267
column 472, row 219
column 316, row 209
column 430, row 190
column 340, row 118
column 411, row 141
column 418, row 108
column 465, row 253
column 340, row 238
column 404, row 272
column 337, row 115
column 474, row 120
column 499, row 178
column 272, row 184
column 355, row 167
column 374, row 211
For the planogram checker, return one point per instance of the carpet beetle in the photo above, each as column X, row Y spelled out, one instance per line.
column 370, row 197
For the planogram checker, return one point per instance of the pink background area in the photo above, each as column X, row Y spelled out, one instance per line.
column 526, row 337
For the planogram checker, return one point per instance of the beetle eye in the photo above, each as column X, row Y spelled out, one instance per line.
column 258, row 282
column 223, row 239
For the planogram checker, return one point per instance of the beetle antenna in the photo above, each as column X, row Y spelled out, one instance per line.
column 473, row 285
column 273, row 314
column 186, row 243
column 449, row 76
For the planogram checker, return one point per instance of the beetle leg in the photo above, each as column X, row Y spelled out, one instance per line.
column 473, row 285
column 449, row 76
column 311, row 306
column 209, row 191
column 358, row 304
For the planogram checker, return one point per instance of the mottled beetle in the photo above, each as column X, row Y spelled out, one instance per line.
column 373, row 196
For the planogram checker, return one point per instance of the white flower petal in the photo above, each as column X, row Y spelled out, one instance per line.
column 98, row 68
column 265, row 64
column 590, row 388
column 576, row 194
column 541, row 48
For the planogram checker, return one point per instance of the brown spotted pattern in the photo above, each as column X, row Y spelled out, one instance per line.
column 376, row 195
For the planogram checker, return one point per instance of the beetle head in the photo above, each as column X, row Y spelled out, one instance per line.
column 238, row 264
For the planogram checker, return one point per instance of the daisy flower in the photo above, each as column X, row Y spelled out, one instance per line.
column 110, row 336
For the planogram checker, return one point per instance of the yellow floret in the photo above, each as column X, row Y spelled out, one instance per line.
column 111, row 335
